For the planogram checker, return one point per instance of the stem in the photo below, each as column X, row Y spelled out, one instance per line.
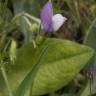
column 89, row 29
column 2, row 40
column 6, row 80
column 34, row 43
column 32, row 17
column 30, row 94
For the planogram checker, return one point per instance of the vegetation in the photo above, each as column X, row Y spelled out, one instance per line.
column 41, row 57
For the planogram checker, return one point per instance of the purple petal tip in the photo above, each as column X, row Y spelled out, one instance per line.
column 46, row 16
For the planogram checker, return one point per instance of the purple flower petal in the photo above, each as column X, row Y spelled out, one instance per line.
column 91, row 76
column 91, row 71
column 46, row 16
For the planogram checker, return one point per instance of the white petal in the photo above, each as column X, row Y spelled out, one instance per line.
column 57, row 21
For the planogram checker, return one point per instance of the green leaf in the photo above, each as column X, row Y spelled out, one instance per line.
column 27, row 25
column 29, row 6
column 62, row 63
column 29, row 79
column 90, row 40
column 55, row 66
column 12, row 51
column 24, row 25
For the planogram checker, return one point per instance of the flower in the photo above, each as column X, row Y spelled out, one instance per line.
column 50, row 22
column 91, row 72
column 91, row 75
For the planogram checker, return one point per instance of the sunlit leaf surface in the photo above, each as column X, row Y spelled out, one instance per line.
column 62, row 63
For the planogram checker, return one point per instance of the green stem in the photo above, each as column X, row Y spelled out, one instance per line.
column 30, row 94
column 6, row 80
column 32, row 17
column 89, row 29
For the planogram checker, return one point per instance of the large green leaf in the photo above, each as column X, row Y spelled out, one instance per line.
column 62, row 63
